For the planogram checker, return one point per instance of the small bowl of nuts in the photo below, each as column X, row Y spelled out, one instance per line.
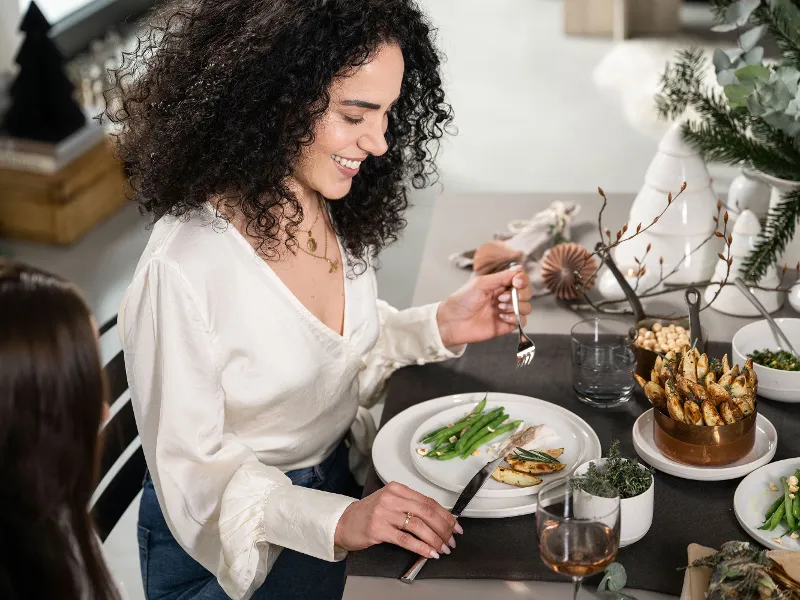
column 655, row 337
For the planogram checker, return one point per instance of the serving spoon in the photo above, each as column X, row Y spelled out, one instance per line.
column 779, row 335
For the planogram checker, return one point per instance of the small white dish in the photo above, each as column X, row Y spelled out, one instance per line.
column 783, row 386
column 576, row 436
column 763, row 450
column 636, row 514
column 753, row 497
column 393, row 462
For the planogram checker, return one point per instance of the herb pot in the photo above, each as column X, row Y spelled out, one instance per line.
column 636, row 514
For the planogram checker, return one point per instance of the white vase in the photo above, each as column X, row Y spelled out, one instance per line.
column 794, row 297
column 748, row 192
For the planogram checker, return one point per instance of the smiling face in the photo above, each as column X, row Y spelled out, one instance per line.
column 353, row 127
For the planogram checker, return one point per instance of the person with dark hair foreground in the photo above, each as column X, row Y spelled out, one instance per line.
column 52, row 403
column 273, row 142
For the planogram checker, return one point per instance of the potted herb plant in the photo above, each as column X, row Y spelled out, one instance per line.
column 635, row 484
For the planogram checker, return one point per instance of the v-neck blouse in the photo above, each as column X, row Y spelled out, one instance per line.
column 234, row 382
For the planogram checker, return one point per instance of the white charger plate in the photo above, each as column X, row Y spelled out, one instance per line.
column 763, row 450
column 753, row 497
column 578, row 439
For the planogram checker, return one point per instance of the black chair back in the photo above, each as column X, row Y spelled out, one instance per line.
column 122, row 465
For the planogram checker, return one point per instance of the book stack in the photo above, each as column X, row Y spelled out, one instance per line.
column 55, row 193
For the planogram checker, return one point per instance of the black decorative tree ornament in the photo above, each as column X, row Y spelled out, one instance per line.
column 43, row 107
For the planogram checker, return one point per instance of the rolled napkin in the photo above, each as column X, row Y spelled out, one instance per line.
column 525, row 242
column 696, row 579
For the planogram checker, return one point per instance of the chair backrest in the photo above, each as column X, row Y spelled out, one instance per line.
column 122, row 465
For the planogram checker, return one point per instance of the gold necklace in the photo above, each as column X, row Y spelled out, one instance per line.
column 333, row 265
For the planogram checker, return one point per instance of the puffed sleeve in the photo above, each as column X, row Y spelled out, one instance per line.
column 229, row 511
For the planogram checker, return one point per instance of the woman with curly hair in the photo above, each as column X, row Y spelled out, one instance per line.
column 274, row 142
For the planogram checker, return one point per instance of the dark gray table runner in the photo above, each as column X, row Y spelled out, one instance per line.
column 685, row 511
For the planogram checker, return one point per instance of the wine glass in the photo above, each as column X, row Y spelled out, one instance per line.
column 578, row 531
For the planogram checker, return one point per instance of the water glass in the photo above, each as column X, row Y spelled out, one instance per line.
column 603, row 357
column 578, row 531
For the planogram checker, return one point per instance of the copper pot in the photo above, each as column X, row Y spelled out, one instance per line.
column 702, row 445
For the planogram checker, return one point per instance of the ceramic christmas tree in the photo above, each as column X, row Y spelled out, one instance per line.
column 42, row 104
column 731, row 301
column 685, row 226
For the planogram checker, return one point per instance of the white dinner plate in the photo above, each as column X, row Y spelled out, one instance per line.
column 753, row 497
column 578, row 439
column 763, row 450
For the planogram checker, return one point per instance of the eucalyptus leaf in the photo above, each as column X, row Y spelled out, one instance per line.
column 754, row 56
column 736, row 14
column 737, row 94
column 752, row 72
column 727, row 77
column 734, row 54
column 749, row 38
column 614, row 579
column 721, row 60
column 791, row 77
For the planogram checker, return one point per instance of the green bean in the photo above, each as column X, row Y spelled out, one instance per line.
column 796, row 507
column 771, row 511
column 485, row 419
column 448, row 432
column 789, row 510
column 481, row 405
column 777, row 517
column 479, row 432
column 493, row 434
column 447, row 456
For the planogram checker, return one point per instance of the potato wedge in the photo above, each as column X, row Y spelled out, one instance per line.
column 696, row 354
column 640, row 380
column 710, row 414
column 702, row 367
column 730, row 413
column 654, row 377
column 710, row 377
column 700, row 393
column 655, row 393
column 717, row 393
column 726, row 366
column 691, row 412
column 659, row 363
column 684, row 388
column 534, row 468
column 689, row 366
column 729, row 376
column 751, row 377
column 746, row 404
column 739, row 387
column 674, row 405
column 555, row 452
column 515, row 478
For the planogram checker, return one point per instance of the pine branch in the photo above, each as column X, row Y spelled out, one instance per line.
column 777, row 233
column 783, row 20
column 680, row 83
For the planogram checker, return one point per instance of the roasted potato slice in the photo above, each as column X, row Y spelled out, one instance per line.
column 691, row 412
column 674, row 405
column 726, row 366
column 654, row 377
column 746, row 404
column 730, row 413
column 555, row 452
column 684, row 388
column 655, row 393
column 640, row 380
column 700, row 394
column 710, row 414
column 751, row 377
column 659, row 363
column 689, row 366
column 702, row 367
column 739, row 387
column 728, row 377
column 533, row 468
column 515, row 478
column 710, row 378
column 717, row 393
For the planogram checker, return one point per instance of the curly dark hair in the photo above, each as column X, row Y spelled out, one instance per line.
column 220, row 97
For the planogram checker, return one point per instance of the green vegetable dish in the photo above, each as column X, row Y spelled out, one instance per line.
column 779, row 359
column 629, row 477
column 463, row 438
column 786, row 508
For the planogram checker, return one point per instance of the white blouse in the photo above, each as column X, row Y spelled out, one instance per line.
column 235, row 382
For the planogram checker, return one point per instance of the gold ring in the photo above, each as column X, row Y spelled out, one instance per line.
column 409, row 516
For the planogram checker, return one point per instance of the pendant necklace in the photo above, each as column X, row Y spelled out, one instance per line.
column 311, row 244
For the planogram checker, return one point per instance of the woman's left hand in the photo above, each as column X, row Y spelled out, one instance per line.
column 482, row 310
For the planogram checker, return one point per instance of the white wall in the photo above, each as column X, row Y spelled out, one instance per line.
column 9, row 21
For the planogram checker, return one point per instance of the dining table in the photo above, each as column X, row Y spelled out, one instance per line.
column 499, row 558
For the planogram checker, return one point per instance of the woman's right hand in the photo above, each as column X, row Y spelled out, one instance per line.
column 380, row 517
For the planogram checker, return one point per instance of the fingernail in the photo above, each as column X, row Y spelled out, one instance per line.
column 518, row 281
column 452, row 542
column 505, row 317
column 504, row 297
column 516, row 268
column 458, row 529
column 434, row 554
column 503, row 306
column 445, row 549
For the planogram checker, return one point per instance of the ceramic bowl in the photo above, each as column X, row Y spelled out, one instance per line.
column 636, row 514
column 774, row 384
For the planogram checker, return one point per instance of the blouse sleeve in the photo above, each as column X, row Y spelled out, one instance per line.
column 229, row 511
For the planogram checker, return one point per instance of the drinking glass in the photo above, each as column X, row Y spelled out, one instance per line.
column 578, row 531
column 603, row 357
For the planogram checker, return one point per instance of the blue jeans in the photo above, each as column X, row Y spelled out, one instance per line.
column 169, row 573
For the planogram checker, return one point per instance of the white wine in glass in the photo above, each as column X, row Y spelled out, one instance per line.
column 578, row 531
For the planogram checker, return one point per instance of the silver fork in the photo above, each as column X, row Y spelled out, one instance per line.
column 526, row 348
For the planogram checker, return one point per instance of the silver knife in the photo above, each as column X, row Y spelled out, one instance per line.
column 472, row 488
